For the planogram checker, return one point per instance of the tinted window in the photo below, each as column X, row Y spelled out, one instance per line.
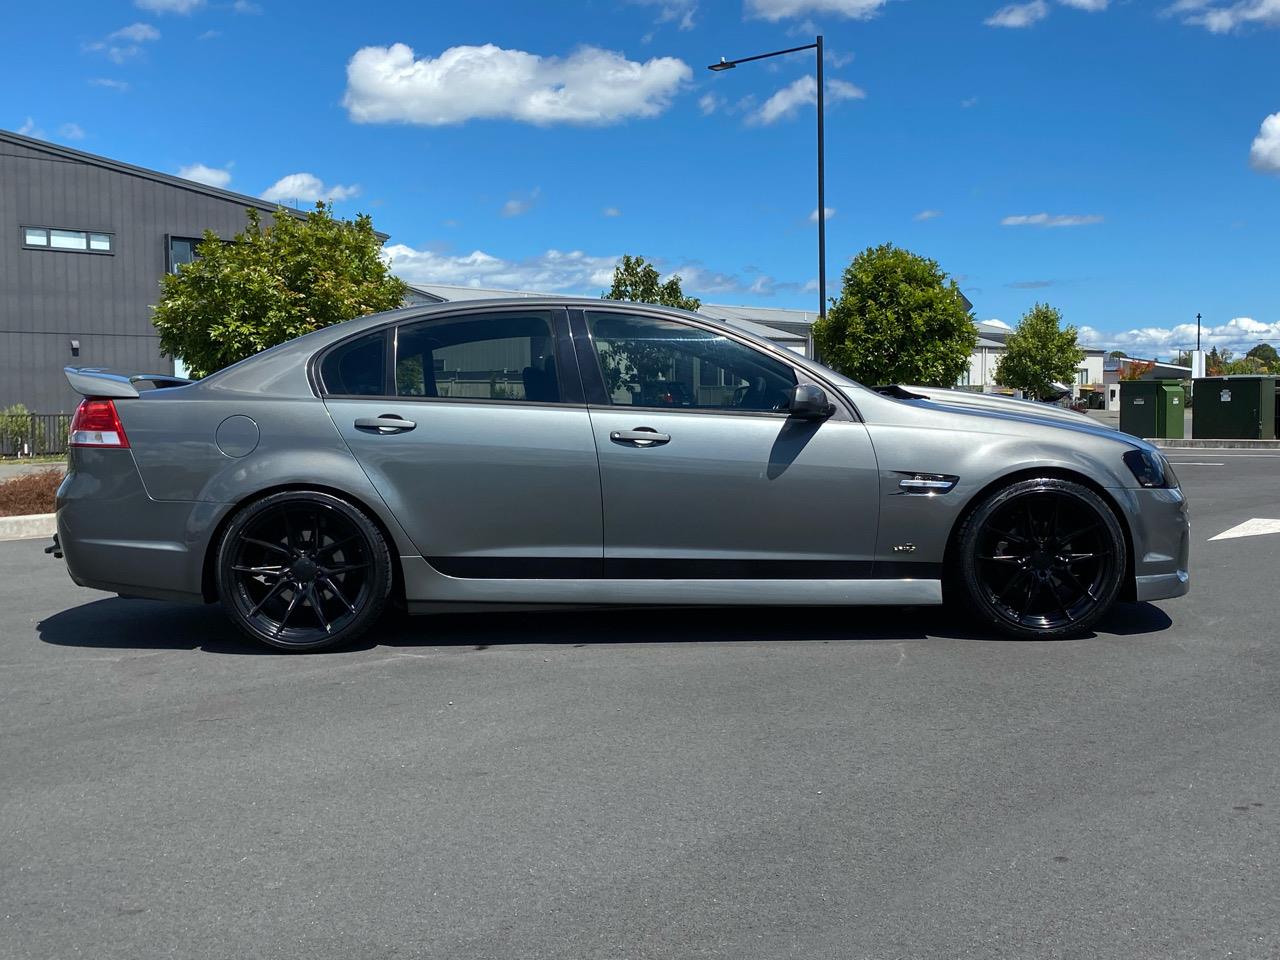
column 507, row 356
column 649, row 362
column 356, row 368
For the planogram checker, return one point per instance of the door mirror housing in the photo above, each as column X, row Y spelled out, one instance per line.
column 809, row 402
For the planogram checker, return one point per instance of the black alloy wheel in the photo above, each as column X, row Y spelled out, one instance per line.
column 303, row 570
column 1042, row 559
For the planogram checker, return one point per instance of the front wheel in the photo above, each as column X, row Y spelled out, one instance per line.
column 303, row 570
column 1041, row 559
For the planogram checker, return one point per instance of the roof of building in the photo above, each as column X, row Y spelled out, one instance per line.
column 117, row 166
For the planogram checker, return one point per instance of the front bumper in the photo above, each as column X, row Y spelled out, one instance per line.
column 1161, row 529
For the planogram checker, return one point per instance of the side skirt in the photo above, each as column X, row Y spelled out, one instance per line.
column 425, row 584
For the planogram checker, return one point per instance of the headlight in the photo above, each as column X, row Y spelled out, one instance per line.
column 1150, row 469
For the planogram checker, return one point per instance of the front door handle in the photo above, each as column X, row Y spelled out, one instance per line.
column 639, row 437
column 387, row 423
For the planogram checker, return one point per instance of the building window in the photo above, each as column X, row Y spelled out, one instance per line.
column 1082, row 376
column 76, row 241
column 182, row 250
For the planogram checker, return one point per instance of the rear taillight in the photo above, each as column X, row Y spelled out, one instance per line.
column 96, row 424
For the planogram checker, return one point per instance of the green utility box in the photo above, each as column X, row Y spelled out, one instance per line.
column 1235, row 408
column 1152, row 408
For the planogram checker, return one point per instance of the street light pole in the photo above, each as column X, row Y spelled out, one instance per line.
column 816, row 46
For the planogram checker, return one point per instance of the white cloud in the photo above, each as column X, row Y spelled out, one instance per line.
column 557, row 271
column 801, row 92
column 828, row 213
column 780, row 9
column 1052, row 220
column 1264, row 154
column 552, row 271
column 1018, row 15
column 1225, row 17
column 71, row 131
column 679, row 12
column 118, row 85
column 968, row 102
column 708, row 103
column 29, row 129
column 307, row 188
column 125, row 43
column 246, row 7
column 927, row 215
column 523, row 204
column 200, row 173
column 1090, row 6
column 590, row 86
column 169, row 6
column 611, row 212
column 1238, row 335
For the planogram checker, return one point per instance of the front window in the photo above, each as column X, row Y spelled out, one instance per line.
column 648, row 362
column 507, row 356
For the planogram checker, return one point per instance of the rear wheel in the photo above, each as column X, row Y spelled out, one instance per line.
column 303, row 570
column 1041, row 559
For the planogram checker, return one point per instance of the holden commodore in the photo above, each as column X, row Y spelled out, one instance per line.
column 558, row 451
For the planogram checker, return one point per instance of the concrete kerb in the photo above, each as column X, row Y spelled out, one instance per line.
column 28, row 527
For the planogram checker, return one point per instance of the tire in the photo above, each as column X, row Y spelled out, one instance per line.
column 1040, row 559
column 303, row 571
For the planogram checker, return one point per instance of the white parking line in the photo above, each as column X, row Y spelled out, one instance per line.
column 1256, row 527
column 1195, row 463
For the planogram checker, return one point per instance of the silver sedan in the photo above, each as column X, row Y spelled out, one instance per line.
column 580, row 452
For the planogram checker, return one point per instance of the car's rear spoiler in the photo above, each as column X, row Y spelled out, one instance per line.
column 101, row 382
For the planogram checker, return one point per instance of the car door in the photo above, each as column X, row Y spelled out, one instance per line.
column 703, row 474
column 472, row 427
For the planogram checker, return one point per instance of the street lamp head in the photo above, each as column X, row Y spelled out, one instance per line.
column 722, row 65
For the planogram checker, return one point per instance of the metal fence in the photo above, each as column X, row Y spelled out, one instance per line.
column 33, row 434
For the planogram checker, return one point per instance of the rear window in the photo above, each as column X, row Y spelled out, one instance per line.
column 357, row 368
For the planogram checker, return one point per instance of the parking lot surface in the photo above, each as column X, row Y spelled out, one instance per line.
column 659, row 783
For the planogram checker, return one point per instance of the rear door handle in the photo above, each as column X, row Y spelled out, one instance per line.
column 639, row 437
column 387, row 423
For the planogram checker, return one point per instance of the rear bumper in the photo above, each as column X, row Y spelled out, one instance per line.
column 116, row 538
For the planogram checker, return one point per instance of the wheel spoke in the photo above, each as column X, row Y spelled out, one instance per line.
column 293, row 603
column 333, row 588
column 1016, row 578
column 272, row 571
column 1091, row 525
column 266, row 545
column 1057, row 597
column 275, row 591
column 314, row 601
column 1009, row 535
column 1003, row 558
column 1081, row 557
column 346, row 568
column 1078, row 583
column 339, row 543
column 1033, row 588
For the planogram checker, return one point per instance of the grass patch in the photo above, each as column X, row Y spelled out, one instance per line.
column 43, row 458
column 31, row 493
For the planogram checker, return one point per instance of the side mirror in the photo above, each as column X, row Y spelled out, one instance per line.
column 809, row 402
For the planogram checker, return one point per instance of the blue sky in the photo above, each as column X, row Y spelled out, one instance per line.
column 1119, row 159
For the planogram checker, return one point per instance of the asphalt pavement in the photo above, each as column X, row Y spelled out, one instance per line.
column 651, row 784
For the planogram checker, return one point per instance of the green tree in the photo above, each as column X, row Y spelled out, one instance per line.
column 899, row 319
column 1265, row 354
column 1039, row 353
column 636, row 280
column 270, row 284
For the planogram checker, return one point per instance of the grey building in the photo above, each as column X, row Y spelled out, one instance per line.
column 84, row 242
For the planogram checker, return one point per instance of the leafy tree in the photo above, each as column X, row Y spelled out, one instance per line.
column 1182, row 358
column 1117, row 355
column 636, row 280
column 899, row 319
column 1136, row 369
column 1265, row 354
column 1039, row 353
column 270, row 284
column 1215, row 364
